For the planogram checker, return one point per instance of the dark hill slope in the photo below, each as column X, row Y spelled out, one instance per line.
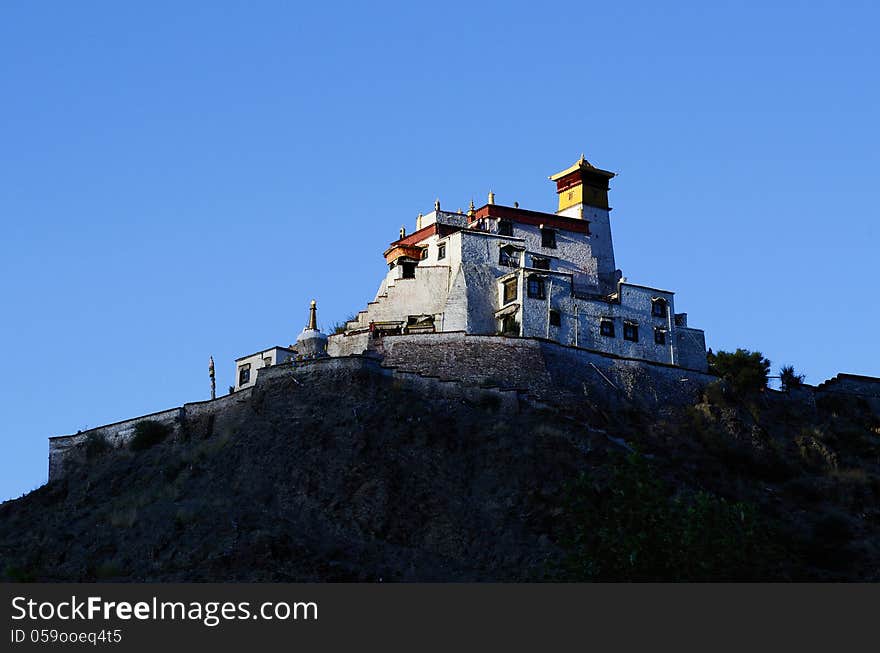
column 363, row 477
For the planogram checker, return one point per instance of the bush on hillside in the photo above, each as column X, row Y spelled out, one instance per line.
column 789, row 379
column 745, row 371
column 96, row 445
column 147, row 434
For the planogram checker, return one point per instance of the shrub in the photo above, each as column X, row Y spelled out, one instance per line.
column 789, row 379
column 148, row 433
column 339, row 327
column 746, row 371
column 96, row 445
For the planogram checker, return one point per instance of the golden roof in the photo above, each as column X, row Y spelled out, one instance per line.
column 581, row 164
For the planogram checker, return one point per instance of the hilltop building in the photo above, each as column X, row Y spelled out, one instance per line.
column 504, row 270
column 501, row 302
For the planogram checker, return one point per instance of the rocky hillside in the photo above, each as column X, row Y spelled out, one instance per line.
column 362, row 477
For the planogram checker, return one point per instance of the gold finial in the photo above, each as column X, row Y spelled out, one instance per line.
column 419, row 221
column 313, row 316
column 460, row 211
column 582, row 160
column 471, row 211
column 491, row 197
column 403, row 232
column 437, row 204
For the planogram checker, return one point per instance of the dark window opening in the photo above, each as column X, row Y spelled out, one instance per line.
column 244, row 374
column 659, row 336
column 509, row 256
column 510, row 288
column 509, row 326
column 505, row 228
column 630, row 331
column 536, row 288
column 409, row 270
column 424, row 253
column 555, row 318
column 606, row 328
column 659, row 307
column 548, row 238
column 441, row 252
column 267, row 362
column 541, row 262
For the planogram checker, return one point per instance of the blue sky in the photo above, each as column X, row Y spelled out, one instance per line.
column 179, row 179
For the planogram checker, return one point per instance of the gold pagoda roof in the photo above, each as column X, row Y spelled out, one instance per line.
column 581, row 164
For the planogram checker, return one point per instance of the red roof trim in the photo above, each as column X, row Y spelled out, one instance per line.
column 426, row 232
column 525, row 216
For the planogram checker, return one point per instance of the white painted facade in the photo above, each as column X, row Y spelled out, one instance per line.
column 246, row 367
column 452, row 278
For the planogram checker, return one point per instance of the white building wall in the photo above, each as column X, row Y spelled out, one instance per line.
column 463, row 292
column 600, row 239
column 259, row 360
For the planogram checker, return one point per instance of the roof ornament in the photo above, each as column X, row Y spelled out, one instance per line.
column 403, row 232
column 471, row 212
column 516, row 205
column 437, row 204
column 419, row 221
column 582, row 160
column 313, row 315
column 491, row 197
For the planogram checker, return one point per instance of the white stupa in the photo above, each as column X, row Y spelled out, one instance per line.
column 311, row 343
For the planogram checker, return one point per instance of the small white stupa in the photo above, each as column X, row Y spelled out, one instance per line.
column 311, row 343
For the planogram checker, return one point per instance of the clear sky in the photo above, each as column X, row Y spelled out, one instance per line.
column 180, row 179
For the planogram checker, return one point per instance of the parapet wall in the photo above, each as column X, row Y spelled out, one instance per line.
column 64, row 449
column 866, row 387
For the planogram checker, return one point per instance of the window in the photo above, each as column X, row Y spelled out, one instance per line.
column 441, row 252
column 409, row 270
column 631, row 331
column 510, row 288
column 424, row 253
column 536, row 287
column 541, row 262
column 509, row 326
column 509, row 256
column 244, row 374
column 606, row 328
column 505, row 228
column 659, row 307
column 267, row 362
column 555, row 318
column 659, row 336
column 548, row 238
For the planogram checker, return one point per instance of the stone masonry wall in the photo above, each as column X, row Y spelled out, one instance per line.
column 64, row 448
column 550, row 372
